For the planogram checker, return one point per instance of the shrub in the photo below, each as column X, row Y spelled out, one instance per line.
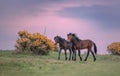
column 35, row 43
column 114, row 48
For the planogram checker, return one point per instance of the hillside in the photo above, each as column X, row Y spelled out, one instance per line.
column 12, row 64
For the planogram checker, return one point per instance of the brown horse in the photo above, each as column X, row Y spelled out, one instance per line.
column 82, row 44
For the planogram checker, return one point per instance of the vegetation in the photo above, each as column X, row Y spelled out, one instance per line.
column 26, row 64
column 35, row 43
column 114, row 48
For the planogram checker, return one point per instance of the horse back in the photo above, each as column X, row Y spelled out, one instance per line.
column 84, row 44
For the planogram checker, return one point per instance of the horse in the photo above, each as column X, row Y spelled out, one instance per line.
column 63, row 44
column 79, row 44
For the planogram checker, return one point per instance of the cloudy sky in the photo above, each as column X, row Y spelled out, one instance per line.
column 98, row 20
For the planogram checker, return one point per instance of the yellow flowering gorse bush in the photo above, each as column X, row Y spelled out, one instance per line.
column 114, row 48
column 36, row 43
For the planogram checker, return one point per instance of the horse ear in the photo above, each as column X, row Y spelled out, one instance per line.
column 69, row 34
column 74, row 34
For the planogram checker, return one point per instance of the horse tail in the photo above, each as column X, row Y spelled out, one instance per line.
column 95, row 48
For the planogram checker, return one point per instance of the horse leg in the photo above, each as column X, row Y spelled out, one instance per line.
column 79, row 54
column 65, row 55
column 59, row 54
column 87, row 56
column 74, row 55
column 93, row 55
column 70, row 54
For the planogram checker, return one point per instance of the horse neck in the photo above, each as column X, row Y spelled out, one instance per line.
column 75, row 41
column 61, row 41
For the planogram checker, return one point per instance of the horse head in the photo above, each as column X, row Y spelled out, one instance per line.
column 57, row 39
column 69, row 36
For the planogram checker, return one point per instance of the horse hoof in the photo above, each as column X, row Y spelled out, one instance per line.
column 58, row 58
column 80, row 59
column 65, row 58
column 94, row 60
column 74, row 59
column 85, row 60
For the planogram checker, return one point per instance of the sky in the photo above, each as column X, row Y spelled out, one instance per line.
column 97, row 20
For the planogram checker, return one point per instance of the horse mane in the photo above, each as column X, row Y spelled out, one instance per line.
column 61, row 39
column 75, row 36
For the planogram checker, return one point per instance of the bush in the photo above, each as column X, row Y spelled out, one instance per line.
column 114, row 48
column 33, row 43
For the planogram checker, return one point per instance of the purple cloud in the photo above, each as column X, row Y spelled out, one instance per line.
column 86, row 18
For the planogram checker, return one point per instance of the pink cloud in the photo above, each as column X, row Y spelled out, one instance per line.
column 57, row 25
column 57, row 22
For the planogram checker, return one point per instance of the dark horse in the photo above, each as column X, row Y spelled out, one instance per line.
column 82, row 44
column 63, row 44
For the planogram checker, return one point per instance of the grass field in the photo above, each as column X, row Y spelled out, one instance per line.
column 34, row 65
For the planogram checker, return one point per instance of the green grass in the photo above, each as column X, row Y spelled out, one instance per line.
column 12, row 64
